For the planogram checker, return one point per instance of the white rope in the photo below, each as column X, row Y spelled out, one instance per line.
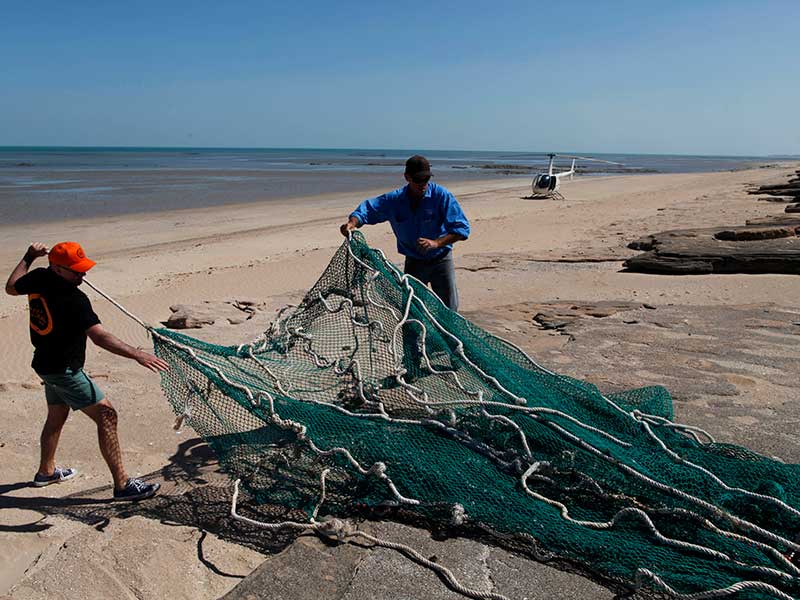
column 679, row 459
column 344, row 531
column 404, row 279
column 663, row 422
column 669, row 489
column 644, row 576
column 643, row 516
column 610, row 524
column 741, row 522
column 261, row 397
column 744, row 524
column 400, row 276
column 299, row 428
column 117, row 304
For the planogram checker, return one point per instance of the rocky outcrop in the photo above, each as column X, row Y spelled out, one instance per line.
column 778, row 190
column 784, row 199
column 765, row 245
column 560, row 315
column 790, row 189
column 754, row 248
column 195, row 316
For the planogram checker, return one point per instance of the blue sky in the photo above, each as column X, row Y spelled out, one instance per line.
column 686, row 77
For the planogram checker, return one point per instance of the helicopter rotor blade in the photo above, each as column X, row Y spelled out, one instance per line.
column 609, row 162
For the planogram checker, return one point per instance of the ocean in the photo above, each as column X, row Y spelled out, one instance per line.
column 56, row 183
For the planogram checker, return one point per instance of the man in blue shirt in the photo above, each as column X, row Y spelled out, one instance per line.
column 426, row 220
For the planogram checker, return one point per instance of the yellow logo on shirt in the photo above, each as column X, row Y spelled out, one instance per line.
column 41, row 320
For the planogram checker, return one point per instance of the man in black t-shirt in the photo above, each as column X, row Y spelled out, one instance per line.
column 61, row 318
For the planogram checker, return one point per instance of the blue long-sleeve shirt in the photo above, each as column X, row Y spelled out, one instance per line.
column 438, row 214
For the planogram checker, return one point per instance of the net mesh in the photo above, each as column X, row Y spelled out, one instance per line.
column 401, row 402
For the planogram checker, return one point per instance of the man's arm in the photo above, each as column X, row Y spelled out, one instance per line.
column 34, row 251
column 110, row 342
column 449, row 238
column 369, row 212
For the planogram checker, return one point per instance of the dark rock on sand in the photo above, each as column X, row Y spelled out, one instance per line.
column 195, row 316
column 776, row 220
column 778, row 199
column 561, row 314
column 791, row 188
column 754, row 248
column 756, row 233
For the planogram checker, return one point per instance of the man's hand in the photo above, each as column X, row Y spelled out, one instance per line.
column 425, row 245
column 35, row 250
column 346, row 228
column 151, row 362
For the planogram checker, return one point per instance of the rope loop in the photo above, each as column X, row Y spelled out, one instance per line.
column 335, row 528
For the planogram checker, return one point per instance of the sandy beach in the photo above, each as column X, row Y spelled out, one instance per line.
column 522, row 254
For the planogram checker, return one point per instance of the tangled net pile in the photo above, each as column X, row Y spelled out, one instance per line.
column 371, row 393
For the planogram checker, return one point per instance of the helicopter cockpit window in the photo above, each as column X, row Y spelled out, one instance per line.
column 544, row 182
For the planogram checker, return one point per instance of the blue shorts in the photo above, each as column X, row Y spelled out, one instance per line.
column 73, row 388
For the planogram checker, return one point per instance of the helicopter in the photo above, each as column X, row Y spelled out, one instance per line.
column 545, row 185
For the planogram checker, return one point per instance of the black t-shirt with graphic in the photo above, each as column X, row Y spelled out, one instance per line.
column 60, row 314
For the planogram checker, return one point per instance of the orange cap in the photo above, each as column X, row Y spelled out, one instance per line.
column 71, row 256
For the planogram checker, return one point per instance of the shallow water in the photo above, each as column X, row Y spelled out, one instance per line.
column 51, row 184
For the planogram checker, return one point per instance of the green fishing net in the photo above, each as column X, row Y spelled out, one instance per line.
column 371, row 394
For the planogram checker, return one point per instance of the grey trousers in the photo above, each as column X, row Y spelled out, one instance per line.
column 440, row 273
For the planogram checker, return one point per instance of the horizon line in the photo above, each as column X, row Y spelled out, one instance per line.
column 103, row 147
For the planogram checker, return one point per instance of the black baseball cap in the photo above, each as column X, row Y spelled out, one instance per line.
column 418, row 166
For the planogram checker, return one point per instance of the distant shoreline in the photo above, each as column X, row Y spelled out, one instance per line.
column 50, row 184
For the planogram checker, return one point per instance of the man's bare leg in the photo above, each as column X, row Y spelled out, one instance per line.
column 51, row 432
column 105, row 416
